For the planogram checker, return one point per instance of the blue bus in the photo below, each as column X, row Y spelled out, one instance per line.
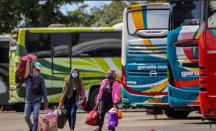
column 182, row 56
column 144, row 60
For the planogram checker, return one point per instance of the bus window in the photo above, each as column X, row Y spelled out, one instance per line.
column 102, row 44
column 212, row 14
column 185, row 13
column 38, row 44
column 4, row 48
column 60, row 51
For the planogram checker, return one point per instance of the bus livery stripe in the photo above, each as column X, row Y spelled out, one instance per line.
column 186, row 83
column 137, row 17
column 144, row 7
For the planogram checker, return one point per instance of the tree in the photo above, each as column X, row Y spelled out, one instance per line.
column 42, row 14
column 80, row 17
column 110, row 14
column 35, row 13
column 10, row 15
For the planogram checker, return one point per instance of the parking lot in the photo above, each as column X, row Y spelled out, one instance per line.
column 134, row 120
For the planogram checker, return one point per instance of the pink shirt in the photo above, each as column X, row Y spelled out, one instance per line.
column 115, row 91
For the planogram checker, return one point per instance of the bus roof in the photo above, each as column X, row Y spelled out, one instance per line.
column 5, row 37
column 68, row 29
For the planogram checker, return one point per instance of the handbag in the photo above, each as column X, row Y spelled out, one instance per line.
column 35, row 88
column 93, row 117
column 61, row 117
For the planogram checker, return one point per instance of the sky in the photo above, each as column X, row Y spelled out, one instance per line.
column 90, row 4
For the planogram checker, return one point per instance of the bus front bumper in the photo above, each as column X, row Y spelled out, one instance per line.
column 180, row 97
column 134, row 100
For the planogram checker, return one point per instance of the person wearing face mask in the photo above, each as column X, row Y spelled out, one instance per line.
column 73, row 90
column 32, row 100
column 108, row 96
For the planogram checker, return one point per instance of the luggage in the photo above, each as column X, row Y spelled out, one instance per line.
column 112, row 118
column 47, row 122
column 93, row 117
column 24, row 68
column 61, row 117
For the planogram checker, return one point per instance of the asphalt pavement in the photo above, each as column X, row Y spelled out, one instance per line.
column 133, row 120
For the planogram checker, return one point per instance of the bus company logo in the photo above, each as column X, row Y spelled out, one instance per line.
column 131, row 82
column 147, row 67
column 212, row 52
column 189, row 73
column 153, row 32
column 153, row 73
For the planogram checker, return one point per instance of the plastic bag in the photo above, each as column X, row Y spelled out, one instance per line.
column 112, row 118
column 120, row 116
column 47, row 122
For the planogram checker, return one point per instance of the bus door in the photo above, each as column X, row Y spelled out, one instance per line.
column 61, row 63
column 4, row 75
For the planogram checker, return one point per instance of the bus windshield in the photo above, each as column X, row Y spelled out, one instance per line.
column 185, row 13
column 13, row 41
column 148, row 21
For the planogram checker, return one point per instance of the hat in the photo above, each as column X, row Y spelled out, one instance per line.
column 37, row 65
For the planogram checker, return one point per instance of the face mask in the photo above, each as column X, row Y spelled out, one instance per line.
column 35, row 73
column 74, row 75
column 109, row 76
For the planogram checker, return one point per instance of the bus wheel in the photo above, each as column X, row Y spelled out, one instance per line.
column 181, row 114
column 93, row 98
column 20, row 107
column 169, row 112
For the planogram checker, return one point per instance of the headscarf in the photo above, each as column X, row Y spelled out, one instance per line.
column 35, row 73
column 114, row 74
column 71, row 82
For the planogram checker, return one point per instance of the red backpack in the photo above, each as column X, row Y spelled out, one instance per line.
column 93, row 117
column 24, row 68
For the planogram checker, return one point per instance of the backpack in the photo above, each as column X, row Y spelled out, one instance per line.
column 24, row 69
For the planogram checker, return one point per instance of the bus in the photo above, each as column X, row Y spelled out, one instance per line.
column 207, row 50
column 4, row 70
column 182, row 57
column 144, row 59
column 92, row 50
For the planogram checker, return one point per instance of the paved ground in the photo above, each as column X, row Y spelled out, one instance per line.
column 134, row 120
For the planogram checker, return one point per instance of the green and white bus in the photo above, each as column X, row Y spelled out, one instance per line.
column 4, row 70
column 92, row 50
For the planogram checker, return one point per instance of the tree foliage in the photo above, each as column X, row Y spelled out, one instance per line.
column 10, row 15
column 36, row 13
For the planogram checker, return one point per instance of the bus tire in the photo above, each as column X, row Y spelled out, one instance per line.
column 92, row 98
column 20, row 107
column 181, row 114
column 176, row 114
column 170, row 113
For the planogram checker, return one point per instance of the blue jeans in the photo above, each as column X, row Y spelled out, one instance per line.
column 29, row 108
column 71, row 111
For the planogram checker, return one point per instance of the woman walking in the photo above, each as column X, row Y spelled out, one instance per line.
column 73, row 89
column 108, row 96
